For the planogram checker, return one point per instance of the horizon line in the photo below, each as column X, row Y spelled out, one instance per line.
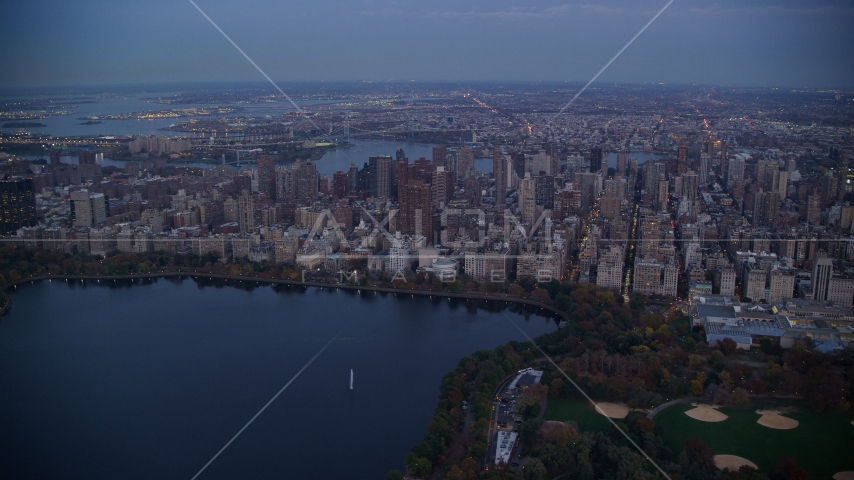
column 6, row 89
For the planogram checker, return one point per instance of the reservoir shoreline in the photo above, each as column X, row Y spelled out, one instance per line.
column 143, row 276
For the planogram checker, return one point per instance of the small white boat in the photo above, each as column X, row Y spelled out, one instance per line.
column 351, row 379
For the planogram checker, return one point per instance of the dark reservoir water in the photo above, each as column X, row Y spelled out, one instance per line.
column 151, row 380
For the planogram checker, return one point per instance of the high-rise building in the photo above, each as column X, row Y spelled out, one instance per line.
column 306, row 181
column 527, row 198
column 682, row 158
column 415, row 212
column 499, row 171
column 765, row 208
column 703, row 173
column 735, row 170
column 439, row 155
column 544, row 191
column 88, row 209
column 662, row 194
column 440, row 187
column 690, row 184
column 17, row 204
column 353, row 179
column 609, row 272
column 840, row 291
column 340, row 184
column 267, row 176
column 781, row 285
column 54, row 158
column 597, row 160
column 465, row 163
column 85, row 157
column 723, row 167
column 725, row 280
column 841, row 172
column 822, row 272
column 242, row 183
column 621, row 164
column 246, row 213
column 652, row 276
column 813, row 209
column 380, row 176
column 401, row 176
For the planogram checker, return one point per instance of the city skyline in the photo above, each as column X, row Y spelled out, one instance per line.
column 788, row 44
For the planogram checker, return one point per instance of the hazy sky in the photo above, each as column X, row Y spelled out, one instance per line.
column 741, row 42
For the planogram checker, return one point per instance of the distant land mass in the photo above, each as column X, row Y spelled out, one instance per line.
column 90, row 122
column 23, row 125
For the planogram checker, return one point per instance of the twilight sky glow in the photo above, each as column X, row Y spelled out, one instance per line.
column 782, row 43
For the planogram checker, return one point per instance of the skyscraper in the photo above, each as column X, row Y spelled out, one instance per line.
column 401, row 176
column 415, row 212
column 380, row 176
column 340, row 181
column 703, row 172
column 723, row 170
column 353, row 179
column 597, row 159
column 544, row 191
column 841, row 173
column 85, row 157
column 499, row 171
column 682, row 158
column 439, row 154
column 246, row 213
column 267, row 176
column 821, row 274
column 440, row 187
column 54, row 158
column 88, row 209
column 765, row 208
column 621, row 163
column 527, row 198
column 17, row 204
column 465, row 163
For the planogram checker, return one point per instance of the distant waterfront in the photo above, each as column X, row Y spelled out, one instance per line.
column 358, row 153
column 123, row 380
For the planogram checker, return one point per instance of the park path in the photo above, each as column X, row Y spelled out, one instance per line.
column 655, row 411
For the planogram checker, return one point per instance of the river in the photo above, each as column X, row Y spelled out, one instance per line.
column 150, row 380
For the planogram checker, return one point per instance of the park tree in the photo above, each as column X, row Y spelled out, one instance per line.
column 394, row 475
column 555, row 387
column 515, row 290
column 534, row 470
column 727, row 346
column 418, row 466
column 740, row 398
column 787, row 469
column 541, row 295
column 744, row 473
column 699, row 453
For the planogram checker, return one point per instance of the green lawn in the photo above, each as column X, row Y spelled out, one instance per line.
column 822, row 444
column 580, row 411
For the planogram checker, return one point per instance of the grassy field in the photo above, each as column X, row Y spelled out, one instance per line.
column 822, row 444
column 580, row 411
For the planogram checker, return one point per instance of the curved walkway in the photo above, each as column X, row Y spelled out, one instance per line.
column 655, row 411
column 465, row 295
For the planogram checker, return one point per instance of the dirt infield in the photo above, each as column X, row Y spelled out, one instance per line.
column 773, row 419
column 612, row 410
column 706, row 413
column 732, row 462
column 844, row 476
